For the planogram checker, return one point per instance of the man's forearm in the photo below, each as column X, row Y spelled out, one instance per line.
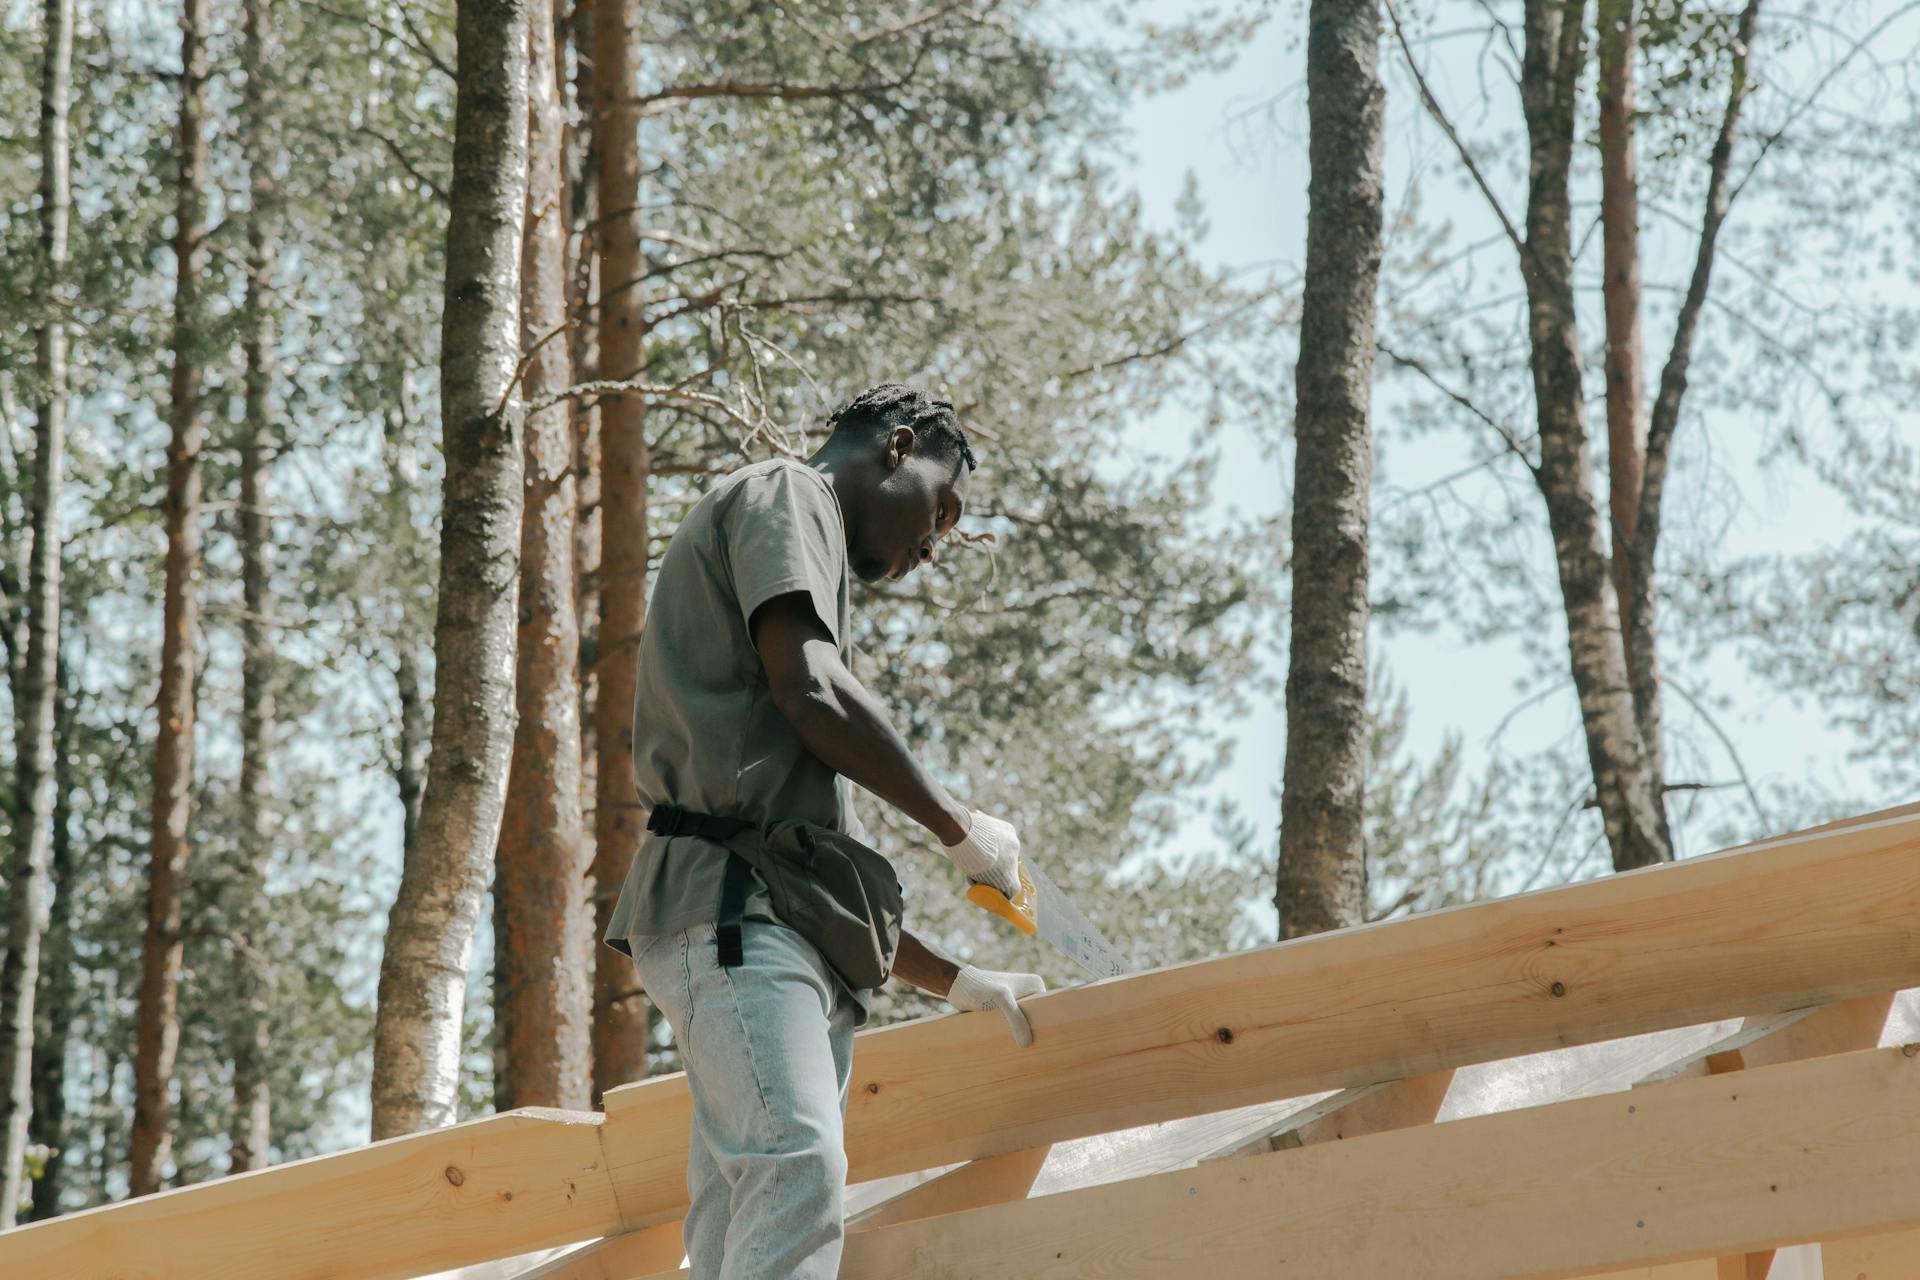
column 924, row 965
column 845, row 726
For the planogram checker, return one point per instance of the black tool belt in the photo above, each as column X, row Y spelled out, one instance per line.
column 831, row 889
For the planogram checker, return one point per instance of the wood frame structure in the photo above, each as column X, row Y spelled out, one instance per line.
column 1815, row 1145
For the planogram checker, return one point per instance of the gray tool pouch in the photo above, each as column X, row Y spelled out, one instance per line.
column 833, row 891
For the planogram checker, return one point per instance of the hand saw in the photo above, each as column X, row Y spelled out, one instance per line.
column 1041, row 909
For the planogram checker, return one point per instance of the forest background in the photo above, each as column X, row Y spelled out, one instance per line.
column 1088, row 225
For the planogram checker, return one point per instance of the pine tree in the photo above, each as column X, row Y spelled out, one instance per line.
column 164, row 944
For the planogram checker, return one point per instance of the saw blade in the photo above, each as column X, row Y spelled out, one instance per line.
column 1068, row 930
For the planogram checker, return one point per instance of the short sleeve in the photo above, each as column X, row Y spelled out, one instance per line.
column 783, row 534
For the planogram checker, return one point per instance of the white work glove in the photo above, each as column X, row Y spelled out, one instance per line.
column 975, row 990
column 989, row 853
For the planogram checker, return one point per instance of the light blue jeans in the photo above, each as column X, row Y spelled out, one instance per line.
column 768, row 1048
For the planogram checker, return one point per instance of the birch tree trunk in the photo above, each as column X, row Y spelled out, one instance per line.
column 158, row 1037
column 582, row 271
column 620, row 1017
column 27, row 904
column 544, row 1011
column 253, row 1104
column 409, row 670
column 417, row 1027
column 54, row 1004
column 1322, row 873
column 1627, row 791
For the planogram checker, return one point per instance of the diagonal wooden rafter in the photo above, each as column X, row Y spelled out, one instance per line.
column 1775, row 1156
column 994, row 1180
column 620, row 1257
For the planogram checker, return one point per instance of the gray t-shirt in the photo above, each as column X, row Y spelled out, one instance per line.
column 706, row 733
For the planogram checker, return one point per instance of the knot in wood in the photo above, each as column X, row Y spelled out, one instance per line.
column 1559, row 988
column 455, row 1176
column 1225, row 1035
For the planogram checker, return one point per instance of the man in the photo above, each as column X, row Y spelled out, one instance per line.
column 747, row 709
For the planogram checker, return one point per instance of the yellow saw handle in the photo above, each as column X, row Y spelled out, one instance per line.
column 1018, row 912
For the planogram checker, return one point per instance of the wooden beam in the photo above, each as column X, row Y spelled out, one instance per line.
column 621, row 1257
column 1373, row 1108
column 1725, row 1054
column 1663, row 1174
column 1801, row 920
column 659, row 1249
column 993, row 1180
column 1894, row 1256
column 492, row 1188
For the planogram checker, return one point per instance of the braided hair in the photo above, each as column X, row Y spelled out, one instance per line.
column 888, row 405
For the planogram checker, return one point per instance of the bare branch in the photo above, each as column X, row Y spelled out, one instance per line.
column 1673, row 377
column 393, row 147
column 1773, row 138
column 1459, row 144
column 412, row 39
column 1513, row 443
column 1733, row 752
column 778, row 92
column 905, row 24
column 1172, row 345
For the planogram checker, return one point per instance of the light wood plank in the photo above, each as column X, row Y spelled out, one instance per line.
column 1374, row 1108
column 994, row 1180
column 491, row 1188
column 621, row 1257
column 659, row 1249
column 1781, row 1154
column 1895, row 1256
column 1797, row 921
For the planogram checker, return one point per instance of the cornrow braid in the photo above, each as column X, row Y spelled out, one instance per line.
column 887, row 405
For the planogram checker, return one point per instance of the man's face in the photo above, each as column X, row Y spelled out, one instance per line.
column 915, row 501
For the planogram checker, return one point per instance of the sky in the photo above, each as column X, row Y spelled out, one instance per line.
column 1240, row 132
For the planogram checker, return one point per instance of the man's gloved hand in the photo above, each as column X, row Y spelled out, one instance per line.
column 989, row 853
column 978, row 989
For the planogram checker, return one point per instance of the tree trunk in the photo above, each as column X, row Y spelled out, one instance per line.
column 54, row 1008
column 159, row 1027
column 1618, row 22
column 620, row 1018
column 583, row 166
column 409, row 672
column 417, row 1027
column 545, row 1010
column 1642, row 657
column 1625, row 786
column 253, row 1109
column 38, row 686
column 1323, row 874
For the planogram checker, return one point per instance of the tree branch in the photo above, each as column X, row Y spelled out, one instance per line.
column 1673, row 377
column 1418, row 366
column 778, row 91
column 393, row 147
column 1439, row 115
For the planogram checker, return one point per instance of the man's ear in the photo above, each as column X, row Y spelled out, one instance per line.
column 900, row 442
